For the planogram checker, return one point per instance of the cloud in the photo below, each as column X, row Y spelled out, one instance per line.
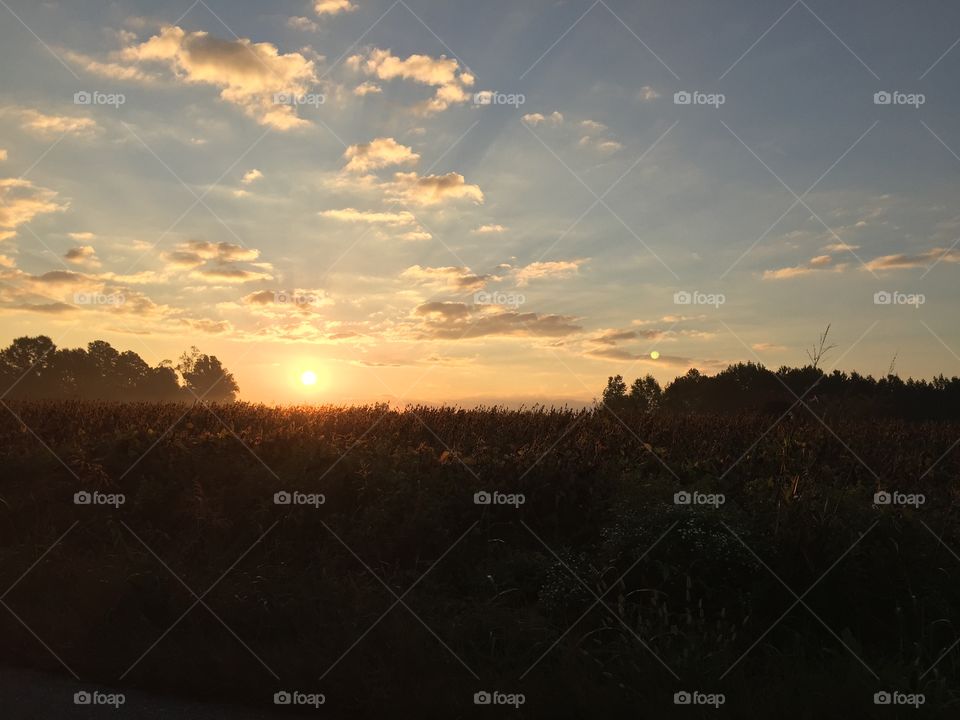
column 817, row 264
column 555, row 118
column 3, row 155
column 21, row 201
column 50, row 125
column 378, row 153
column 552, row 269
column 434, row 189
column 454, row 279
column 229, row 275
column 443, row 73
column 593, row 126
column 84, row 255
column 924, row 259
column 251, row 176
column 367, row 88
column 283, row 302
column 81, row 236
column 352, row 215
column 197, row 252
column 489, row 230
column 302, row 23
column 767, row 347
column 333, row 7
column 454, row 321
column 248, row 74
column 647, row 93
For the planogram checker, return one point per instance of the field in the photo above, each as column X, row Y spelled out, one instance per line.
column 585, row 588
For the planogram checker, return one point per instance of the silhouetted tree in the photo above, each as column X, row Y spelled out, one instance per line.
column 206, row 378
column 32, row 368
column 615, row 394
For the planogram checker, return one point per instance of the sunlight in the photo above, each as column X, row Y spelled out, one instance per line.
column 309, row 377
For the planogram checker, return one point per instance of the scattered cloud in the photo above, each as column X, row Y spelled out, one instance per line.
column 553, row 269
column 367, row 88
column 443, row 73
column 378, row 153
column 555, row 118
column 455, row 321
column 453, row 279
column 433, row 189
column 333, row 7
column 647, row 93
column 50, row 125
column 352, row 215
column 248, row 74
column 302, row 23
column 489, row 230
column 21, row 201
column 251, row 176
column 923, row 259
column 84, row 255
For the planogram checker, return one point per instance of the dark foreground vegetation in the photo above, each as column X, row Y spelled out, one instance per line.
column 493, row 597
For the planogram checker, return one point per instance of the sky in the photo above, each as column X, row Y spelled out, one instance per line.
column 426, row 201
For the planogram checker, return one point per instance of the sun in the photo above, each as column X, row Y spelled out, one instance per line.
column 654, row 355
column 309, row 377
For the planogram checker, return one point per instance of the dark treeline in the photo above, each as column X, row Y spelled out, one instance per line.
column 750, row 387
column 33, row 368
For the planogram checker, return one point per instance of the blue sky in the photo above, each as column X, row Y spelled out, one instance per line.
column 411, row 240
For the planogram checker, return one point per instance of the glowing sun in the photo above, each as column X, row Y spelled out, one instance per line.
column 309, row 377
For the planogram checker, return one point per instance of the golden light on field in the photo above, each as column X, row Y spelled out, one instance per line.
column 309, row 377
column 654, row 355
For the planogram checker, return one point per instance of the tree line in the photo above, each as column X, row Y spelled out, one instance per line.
column 751, row 387
column 34, row 368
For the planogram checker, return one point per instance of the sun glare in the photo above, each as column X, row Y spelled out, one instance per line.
column 309, row 377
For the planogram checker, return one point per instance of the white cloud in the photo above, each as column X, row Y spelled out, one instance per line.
column 49, row 125
column 352, row 215
column 379, row 153
column 489, row 230
column 551, row 269
column 433, row 189
column 367, row 88
column 443, row 73
column 555, row 118
column 251, row 176
column 248, row 74
column 332, row 7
